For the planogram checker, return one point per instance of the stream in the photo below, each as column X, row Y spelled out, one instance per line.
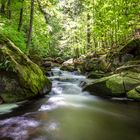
column 68, row 113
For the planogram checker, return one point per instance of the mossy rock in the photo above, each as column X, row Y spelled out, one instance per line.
column 106, row 86
column 68, row 68
column 27, row 76
column 116, row 85
column 134, row 94
column 59, row 60
column 95, row 75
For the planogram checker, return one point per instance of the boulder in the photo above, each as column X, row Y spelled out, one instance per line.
column 106, row 86
column 92, row 64
column 69, row 62
column 47, row 64
column 68, row 68
column 68, row 65
column 134, row 93
column 115, row 85
column 20, row 78
column 59, row 60
column 95, row 75
column 87, row 65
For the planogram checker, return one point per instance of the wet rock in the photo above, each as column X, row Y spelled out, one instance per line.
column 68, row 65
column 107, row 86
column 115, row 85
column 68, row 68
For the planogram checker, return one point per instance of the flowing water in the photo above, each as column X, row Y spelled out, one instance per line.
column 70, row 114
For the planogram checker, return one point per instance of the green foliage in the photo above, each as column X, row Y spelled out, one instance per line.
column 112, row 23
column 10, row 31
column 61, row 27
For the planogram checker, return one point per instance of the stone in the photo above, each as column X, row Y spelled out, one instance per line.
column 116, row 85
column 20, row 78
column 47, row 64
column 68, row 68
column 95, row 75
column 98, row 87
column 59, row 60
column 68, row 65
column 134, row 94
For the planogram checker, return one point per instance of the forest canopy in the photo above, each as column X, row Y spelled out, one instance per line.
column 69, row 28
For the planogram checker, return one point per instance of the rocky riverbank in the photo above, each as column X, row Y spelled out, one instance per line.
column 117, row 72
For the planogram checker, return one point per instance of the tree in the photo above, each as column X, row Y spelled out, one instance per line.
column 9, row 9
column 20, row 17
column 30, row 25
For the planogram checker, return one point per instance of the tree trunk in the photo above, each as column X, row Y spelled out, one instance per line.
column 31, row 24
column 2, row 9
column 88, row 32
column 9, row 9
column 21, row 17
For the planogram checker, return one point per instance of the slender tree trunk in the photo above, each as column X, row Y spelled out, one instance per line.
column 21, row 17
column 9, row 13
column 88, row 32
column 2, row 9
column 31, row 24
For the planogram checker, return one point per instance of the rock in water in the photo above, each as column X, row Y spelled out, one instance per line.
column 68, row 65
column 20, row 78
column 117, row 85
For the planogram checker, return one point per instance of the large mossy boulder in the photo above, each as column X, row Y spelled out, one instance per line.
column 106, row 86
column 116, row 85
column 20, row 78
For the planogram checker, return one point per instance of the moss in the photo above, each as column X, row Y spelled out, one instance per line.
column 131, row 74
column 98, row 87
column 115, row 84
column 68, row 68
column 29, row 76
column 16, row 97
column 134, row 94
column 130, row 83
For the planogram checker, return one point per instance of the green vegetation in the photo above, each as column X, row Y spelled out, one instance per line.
column 69, row 28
